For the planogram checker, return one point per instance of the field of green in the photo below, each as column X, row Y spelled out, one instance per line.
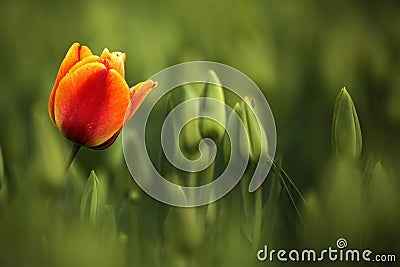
column 299, row 53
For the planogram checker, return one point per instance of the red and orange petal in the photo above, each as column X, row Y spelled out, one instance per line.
column 114, row 60
column 90, row 104
column 138, row 94
column 75, row 54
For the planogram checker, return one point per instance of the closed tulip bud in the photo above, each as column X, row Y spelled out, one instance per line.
column 346, row 132
column 190, row 136
column 249, row 138
column 90, row 97
column 92, row 198
column 235, row 136
column 257, row 142
column 210, row 128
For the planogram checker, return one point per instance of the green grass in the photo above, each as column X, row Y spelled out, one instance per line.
column 299, row 53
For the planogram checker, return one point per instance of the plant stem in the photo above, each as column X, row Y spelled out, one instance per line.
column 71, row 155
column 257, row 218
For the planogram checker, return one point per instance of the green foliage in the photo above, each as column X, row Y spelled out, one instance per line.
column 355, row 202
column 299, row 53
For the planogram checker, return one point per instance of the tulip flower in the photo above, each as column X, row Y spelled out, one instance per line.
column 90, row 97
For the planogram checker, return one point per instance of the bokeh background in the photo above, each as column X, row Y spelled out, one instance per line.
column 300, row 53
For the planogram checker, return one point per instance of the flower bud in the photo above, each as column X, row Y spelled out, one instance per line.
column 257, row 139
column 346, row 133
column 92, row 198
column 90, row 97
column 234, row 138
column 189, row 136
column 210, row 128
column 251, row 141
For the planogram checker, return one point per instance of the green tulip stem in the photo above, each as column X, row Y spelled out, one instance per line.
column 71, row 155
column 257, row 218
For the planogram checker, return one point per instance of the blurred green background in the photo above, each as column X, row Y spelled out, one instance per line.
column 300, row 53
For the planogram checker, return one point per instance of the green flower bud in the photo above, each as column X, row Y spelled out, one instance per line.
column 249, row 139
column 190, row 136
column 258, row 143
column 234, row 135
column 92, row 198
column 210, row 128
column 346, row 132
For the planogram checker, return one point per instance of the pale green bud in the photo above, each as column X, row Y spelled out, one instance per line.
column 249, row 139
column 190, row 136
column 234, row 135
column 258, row 143
column 92, row 198
column 210, row 128
column 346, row 132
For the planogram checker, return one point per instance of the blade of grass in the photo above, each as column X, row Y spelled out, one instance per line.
column 283, row 174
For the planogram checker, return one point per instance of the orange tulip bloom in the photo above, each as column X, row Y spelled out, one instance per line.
column 90, row 97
